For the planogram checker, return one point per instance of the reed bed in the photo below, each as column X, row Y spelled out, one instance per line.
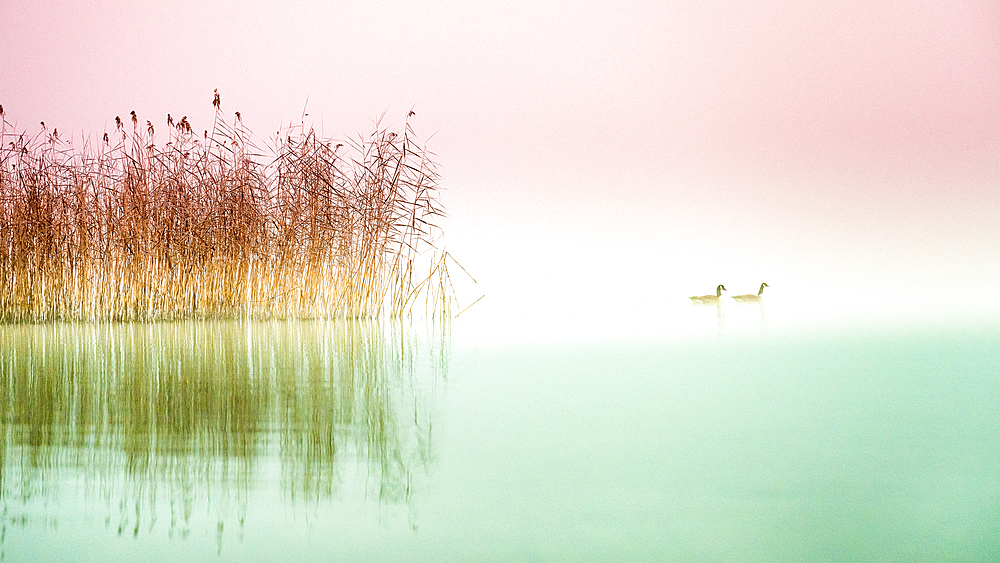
column 144, row 225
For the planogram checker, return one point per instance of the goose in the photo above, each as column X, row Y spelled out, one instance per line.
column 710, row 298
column 749, row 297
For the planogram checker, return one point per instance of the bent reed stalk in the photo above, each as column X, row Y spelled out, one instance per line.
column 207, row 226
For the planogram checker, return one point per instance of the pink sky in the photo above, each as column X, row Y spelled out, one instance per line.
column 782, row 80
column 727, row 139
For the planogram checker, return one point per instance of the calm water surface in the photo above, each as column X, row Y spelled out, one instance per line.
column 320, row 441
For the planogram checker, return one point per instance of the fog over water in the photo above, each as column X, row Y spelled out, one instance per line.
column 600, row 162
column 226, row 440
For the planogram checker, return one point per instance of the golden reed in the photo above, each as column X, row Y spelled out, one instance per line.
column 207, row 226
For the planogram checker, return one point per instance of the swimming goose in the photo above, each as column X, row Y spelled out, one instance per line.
column 710, row 298
column 749, row 297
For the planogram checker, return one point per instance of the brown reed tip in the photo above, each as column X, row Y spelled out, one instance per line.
column 149, row 127
column 135, row 119
column 216, row 102
column 1, row 109
column 238, row 118
column 43, row 125
column 170, row 120
column 118, row 122
column 105, row 138
column 411, row 113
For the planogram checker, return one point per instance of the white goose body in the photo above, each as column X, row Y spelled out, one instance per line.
column 749, row 297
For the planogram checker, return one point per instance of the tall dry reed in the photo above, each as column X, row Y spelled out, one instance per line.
column 149, row 225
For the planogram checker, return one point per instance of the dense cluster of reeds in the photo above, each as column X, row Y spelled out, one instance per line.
column 142, row 226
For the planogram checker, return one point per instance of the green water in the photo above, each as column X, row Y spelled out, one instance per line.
column 361, row 442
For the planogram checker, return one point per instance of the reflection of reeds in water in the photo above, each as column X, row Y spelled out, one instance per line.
column 197, row 225
column 193, row 408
